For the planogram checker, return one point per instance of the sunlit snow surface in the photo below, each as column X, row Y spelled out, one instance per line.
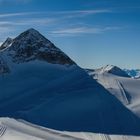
column 11, row 129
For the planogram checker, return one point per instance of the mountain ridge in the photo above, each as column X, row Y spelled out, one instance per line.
column 115, row 70
column 31, row 45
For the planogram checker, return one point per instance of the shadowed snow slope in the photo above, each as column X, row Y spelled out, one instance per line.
column 63, row 98
column 56, row 93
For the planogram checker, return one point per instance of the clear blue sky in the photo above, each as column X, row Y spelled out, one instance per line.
column 92, row 32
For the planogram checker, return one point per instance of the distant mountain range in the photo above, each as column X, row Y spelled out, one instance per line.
column 134, row 73
column 110, row 69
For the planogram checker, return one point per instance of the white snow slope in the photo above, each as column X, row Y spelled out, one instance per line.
column 11, row 129
column 125, row 89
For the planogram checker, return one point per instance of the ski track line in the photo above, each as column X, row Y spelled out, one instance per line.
column 2, row 130
column 104, row 137
column 124, row 137
column 47, row 131
column 86, row 137
column 123, row 92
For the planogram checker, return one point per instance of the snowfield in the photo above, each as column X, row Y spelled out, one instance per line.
column 125, row 89
column 11, row 129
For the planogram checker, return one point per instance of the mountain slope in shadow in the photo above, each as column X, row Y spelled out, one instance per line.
column 65, row 99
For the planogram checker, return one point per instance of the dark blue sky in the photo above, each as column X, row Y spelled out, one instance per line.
column 92, row 32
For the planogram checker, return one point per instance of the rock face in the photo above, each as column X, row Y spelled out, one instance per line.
column 31, row 45
column 6, row 43
column 3, row 67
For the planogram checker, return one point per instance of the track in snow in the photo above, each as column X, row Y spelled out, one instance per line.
column 124, row 94
column 105, row 137
column 96, row 137
column 2, row 130
column 113, row 83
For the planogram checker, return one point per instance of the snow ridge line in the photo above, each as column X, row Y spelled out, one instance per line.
column 123, row 93
column 2, row 130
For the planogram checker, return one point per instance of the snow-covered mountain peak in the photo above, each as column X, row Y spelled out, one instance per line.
column 107, row 68
column 32, row 45
column 31, row 40
column 32, row 31
column 114, row 70
column 31, row 35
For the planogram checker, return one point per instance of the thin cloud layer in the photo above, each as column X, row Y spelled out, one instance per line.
column 83, row 30
column 59, row 23
column 52, row 19
column 4, row 2
column 67, row 13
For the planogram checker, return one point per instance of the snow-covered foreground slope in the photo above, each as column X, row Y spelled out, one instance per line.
column 21, row 130
column 11, row 129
